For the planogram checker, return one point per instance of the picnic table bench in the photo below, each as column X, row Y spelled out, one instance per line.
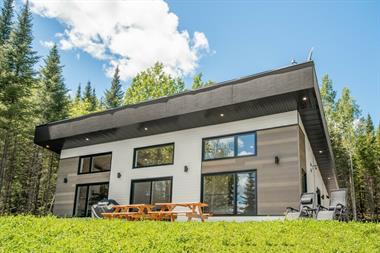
column 123, row 211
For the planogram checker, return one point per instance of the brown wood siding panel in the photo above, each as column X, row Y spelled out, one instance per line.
column 277, row 185
column 65, row 192
column 302, row 154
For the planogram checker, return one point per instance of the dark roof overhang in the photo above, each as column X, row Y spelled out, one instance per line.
column 262, row 94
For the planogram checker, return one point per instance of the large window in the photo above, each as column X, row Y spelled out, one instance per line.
column 232, row 193
column 151, row 191
column 153, row 155
column 95, row 163
column 88, row 195
column 229, row 146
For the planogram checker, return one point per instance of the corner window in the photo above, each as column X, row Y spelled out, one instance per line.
column 154, row 156
column 229, row 146
column 95, row 163
column 88, row 195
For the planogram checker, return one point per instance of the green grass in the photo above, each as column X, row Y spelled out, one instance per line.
column 50, row 234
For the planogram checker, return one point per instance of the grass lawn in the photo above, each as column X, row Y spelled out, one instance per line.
column 50, row 234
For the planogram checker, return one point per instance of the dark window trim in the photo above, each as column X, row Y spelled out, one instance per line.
column 235, row 136
column 235, row 193
column 151, row 180
column 152, row 146
column 92, row 156
column 76, row 192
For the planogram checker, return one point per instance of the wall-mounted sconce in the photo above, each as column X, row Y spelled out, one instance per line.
column 65, row 180
column 323, row 197
column 327, row 196
column 186, row 168
column 118, row 175
column 276, row 160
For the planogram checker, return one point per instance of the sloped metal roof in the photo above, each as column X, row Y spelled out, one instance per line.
column 266, row 93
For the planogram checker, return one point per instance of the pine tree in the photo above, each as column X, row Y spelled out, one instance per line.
column 55, row 101
column 87, row 93
column 114, row 96
column 17, row 62
column 6, row 21
column 78, row 94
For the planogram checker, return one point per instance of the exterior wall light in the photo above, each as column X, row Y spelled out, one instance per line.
column 118, row 175
column 304, row 98
column 186, row 168
column 65, row 180
column 276, row 160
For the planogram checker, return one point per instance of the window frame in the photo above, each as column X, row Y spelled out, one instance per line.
column 87, row 193
column 152, row 146
column 151, row 180
column 235, row 136
column 235, row 192
column 91, row 158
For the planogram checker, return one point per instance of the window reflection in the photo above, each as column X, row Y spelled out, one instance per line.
column 153, row 156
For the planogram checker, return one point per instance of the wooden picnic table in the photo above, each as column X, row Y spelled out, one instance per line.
column 167, row 210
column 123, row 211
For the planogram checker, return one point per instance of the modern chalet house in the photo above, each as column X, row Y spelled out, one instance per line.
column 247, row 147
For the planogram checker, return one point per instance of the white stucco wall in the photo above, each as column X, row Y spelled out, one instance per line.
column 188, row 151
column 314, row 177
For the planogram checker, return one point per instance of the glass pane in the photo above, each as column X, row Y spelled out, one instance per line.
column 161, row 191
column 246, row 144
column 95, row 194
column 141, row 192
column 154, row 156
column 219, row 193
column 219, row 148
column 246, row 193
column 85, row 165
column 101, row 163
column 80, row 202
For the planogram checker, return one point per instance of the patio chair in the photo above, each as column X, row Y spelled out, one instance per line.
column 306, row 210
column 103, row 206
column 337, row 209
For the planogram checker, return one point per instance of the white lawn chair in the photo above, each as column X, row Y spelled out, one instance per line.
column 306, row 210
column 337, row 209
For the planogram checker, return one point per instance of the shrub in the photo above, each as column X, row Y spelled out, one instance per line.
column 50, row 234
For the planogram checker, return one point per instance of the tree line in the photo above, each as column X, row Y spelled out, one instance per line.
column 30, row 96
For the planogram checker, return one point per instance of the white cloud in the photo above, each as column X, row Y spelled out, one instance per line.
column 131, row 34
column 47, row 44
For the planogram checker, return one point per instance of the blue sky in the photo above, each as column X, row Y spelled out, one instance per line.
column 246, row 37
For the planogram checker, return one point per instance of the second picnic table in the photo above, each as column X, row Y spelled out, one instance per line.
column 195, row 210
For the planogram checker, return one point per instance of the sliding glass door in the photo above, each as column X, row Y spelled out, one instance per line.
column 88, row 195
column 232, row 193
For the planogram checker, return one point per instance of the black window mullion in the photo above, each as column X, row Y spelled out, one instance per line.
column 151, row 192
column 235, row 193
column 86, row 203
column 235, row 145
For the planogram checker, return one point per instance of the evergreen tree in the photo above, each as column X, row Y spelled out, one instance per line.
column 55, row 101
column 152, row 83
column 6, row 20
column 78, row 94
column 17, row 60
column 87, row 93
column 114, row 96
